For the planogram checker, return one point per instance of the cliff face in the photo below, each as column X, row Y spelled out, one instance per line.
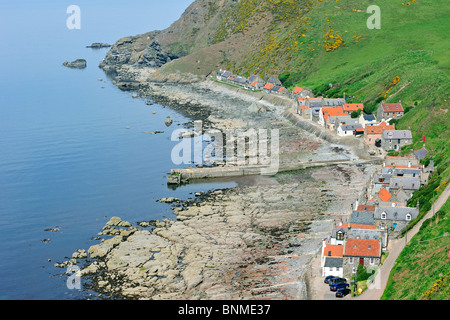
column 190, row 33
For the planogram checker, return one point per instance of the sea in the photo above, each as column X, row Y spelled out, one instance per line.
column 73, row 147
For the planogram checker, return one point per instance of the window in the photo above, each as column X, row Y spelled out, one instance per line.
column 408, row 217
column 350, row 260
column 383, row 215
column 353, row 270
column 372, row 261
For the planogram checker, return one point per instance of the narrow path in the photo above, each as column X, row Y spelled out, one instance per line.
column 375, row 291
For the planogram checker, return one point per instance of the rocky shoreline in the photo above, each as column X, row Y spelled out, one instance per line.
column 253, row 242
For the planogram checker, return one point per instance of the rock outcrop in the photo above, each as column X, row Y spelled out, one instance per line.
column 77, row 64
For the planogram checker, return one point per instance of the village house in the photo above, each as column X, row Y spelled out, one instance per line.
column 361, row 218
column 333, row 267
column 365, row 252
column 387, row 111
column 331, row 260
column 339, row 233
column 223, row 75
column 256, row 82
column 421, row 153
column 373, row 133
column 396, row 217
column 381, row 180
column 348, row 129
column 325, row 113
column 367, row 120
column 355, row 233
column 314, row 105
column 401, row 162
column 408, row 184
column 297, row 92
column 395, row 139
column 352, row 107
column 268, row 87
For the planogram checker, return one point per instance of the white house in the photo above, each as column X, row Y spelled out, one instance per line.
column 333, row 267
column 348, row 129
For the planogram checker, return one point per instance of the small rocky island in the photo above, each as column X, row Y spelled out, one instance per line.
column 98, row 45
column 77, row 64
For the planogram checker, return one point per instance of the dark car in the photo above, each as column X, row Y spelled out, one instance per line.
column 337, row 280
column 328, row 278
column 336, row 287
column 342, row 292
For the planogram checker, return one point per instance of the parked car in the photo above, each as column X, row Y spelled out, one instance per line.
column 340, row 293
column 337, row 280
column 336, row 287
column 328, row 278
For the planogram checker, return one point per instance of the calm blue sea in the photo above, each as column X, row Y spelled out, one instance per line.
column 66, row 157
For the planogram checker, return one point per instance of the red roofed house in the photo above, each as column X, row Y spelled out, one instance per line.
column 332, row 259
column 390, row 110
column 372, row 133
column 268, row 86
column 384, row 195
column 297, row 90
column 325, row 113
column 350, row 107
column 366, row 252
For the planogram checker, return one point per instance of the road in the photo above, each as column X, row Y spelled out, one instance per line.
column 375, row 291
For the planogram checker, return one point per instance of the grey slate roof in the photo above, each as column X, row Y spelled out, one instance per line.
column 396, row 213
column 276, row 88
column 331, row 262
column 351, row 127
column 407, row 183
column 362, row 217
column 397, row 134
column 421, row 153
column 382, row 178
column 369, row 117
column 333, row 102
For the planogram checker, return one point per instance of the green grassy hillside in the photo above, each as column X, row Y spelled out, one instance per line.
column 422, row 270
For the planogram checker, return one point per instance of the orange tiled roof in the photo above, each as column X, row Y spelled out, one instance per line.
column 268, row 86
column 333, row 250
column 392, row 107
column 362, row 248
column 297, row 90
column 362, row 226
column 254, row 84
column 384, row 195
column 334, row 112
column 365, row 207
column 378, row 129
column 359, row 226
column 353, row 106
column 281, row 89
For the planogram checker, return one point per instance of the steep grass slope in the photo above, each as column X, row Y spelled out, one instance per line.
column 422, row 270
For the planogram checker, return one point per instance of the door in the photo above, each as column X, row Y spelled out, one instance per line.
column 361, row 261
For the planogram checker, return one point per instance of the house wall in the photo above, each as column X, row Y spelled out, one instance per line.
column 332, row 272
column 370, row 139
column 348, row 267
column 393, row 144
